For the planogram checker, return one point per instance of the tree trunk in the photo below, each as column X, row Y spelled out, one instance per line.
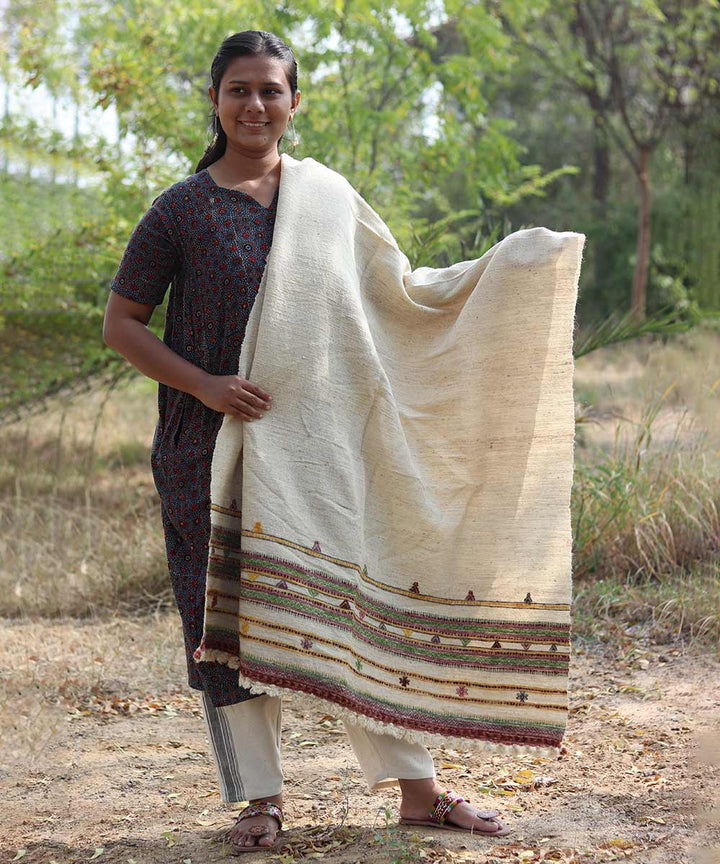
column 639, row 289
column 601, row 168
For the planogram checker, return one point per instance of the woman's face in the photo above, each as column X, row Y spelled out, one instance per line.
column 254, row 103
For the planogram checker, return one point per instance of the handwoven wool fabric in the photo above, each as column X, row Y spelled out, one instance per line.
column 393, row 536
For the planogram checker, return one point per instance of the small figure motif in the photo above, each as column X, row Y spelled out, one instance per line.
column 383, row 627
column 462, row 690
column 470, row 596
column 258, row 528
column 404, row 681
column 316, row 547
column 526, row 645
column 435, row 639
column 496, row 644
column 522, row 696
column 359, row 665
column 553, row 648
column 345, row 604
column 415, row 588
column 364, row 570
column 233, row 505
column 528, row 598
column 306, row 643
column 282, row 584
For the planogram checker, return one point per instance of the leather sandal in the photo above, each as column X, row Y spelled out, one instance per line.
column 259, row 808
column 444, row 804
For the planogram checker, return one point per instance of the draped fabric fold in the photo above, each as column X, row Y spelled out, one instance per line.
column 394, row 536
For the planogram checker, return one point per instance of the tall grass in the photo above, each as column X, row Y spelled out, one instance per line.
column 80, row 530
column 646, row 498
column 640, row 511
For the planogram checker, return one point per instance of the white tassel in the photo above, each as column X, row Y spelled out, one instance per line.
column 378, row 726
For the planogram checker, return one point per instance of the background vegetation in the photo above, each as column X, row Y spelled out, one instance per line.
column 459, row 122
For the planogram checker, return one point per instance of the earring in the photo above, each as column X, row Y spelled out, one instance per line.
column 294, row 140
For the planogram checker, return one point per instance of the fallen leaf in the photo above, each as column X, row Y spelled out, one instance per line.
column 452, row 765
column 97, row 853
column 21, row 853
column 524, row 776
column 618, row 843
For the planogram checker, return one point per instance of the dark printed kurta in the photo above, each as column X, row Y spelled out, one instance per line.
column 211, row 243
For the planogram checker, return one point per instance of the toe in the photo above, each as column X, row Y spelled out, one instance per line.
column 489, row 826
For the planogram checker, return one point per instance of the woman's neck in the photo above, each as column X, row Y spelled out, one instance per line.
column 235, row 169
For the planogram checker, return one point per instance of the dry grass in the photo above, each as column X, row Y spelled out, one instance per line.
column 646, row 496
column 80, row 531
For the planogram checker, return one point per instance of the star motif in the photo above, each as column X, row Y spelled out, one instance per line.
column 404, row 681
column 522, row 696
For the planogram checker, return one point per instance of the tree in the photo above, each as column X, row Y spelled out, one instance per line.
column 641, row 65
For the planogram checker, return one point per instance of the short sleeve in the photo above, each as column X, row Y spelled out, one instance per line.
column 151, row 258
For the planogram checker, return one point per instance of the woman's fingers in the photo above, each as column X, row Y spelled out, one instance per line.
column 260, row 395
column 242, row 413
column 247, row 405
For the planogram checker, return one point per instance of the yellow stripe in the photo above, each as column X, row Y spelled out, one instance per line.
column 444, row 697
column 429, row 598
column 285, row 629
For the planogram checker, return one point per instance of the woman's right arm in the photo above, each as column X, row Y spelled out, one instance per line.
column 125, row 329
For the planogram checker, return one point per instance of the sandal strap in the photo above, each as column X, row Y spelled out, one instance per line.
column 444, row 804
column 263, row 808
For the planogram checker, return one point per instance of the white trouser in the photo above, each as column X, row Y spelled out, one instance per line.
column 245, row 743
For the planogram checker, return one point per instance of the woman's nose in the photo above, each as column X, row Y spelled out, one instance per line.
column 254, row 101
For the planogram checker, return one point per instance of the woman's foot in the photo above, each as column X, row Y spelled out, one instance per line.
column 257, row 829
column 419, row 796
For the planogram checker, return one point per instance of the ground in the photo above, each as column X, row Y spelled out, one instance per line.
column 105, row 758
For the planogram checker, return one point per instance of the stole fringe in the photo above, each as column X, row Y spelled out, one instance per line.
column 210, row 655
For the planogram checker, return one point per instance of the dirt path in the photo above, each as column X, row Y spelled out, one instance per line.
column 104, row 758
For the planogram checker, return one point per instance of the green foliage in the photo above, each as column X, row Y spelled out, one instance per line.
column 670, row 286
column 619, row 327
column 449, row 126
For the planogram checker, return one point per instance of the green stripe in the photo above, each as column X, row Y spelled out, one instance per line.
column 558, row 633
column 390, row 641
column 448, row 718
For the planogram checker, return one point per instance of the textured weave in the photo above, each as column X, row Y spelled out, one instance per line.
column 394, row 535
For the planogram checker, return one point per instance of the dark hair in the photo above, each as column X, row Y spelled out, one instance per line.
column 254, row 42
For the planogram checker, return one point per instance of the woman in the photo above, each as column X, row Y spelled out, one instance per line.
column 210, row 235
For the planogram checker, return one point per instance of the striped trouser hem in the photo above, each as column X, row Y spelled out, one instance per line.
column 245, row 744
